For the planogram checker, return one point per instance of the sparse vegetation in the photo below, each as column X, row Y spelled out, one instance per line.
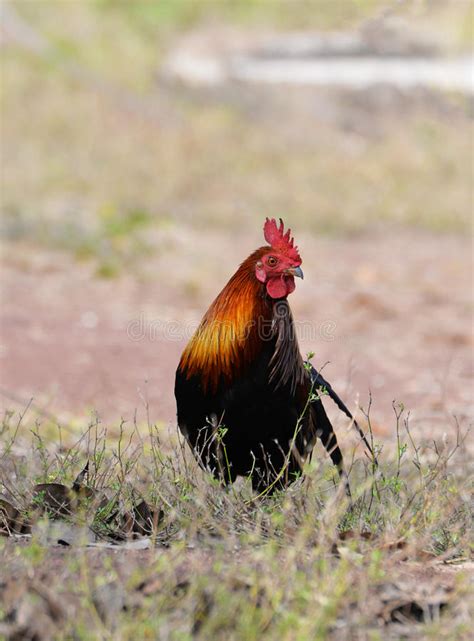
column 208, row 562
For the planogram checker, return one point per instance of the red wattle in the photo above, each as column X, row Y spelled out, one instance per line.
column 280, row 287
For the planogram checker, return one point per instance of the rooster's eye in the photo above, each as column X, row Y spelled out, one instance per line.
column 272, row 261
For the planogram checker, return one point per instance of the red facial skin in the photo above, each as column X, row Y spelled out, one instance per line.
column 278, row 272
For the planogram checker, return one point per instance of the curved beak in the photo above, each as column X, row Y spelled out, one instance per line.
column 295, row 271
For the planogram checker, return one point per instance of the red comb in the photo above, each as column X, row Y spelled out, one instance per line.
column 280, row 241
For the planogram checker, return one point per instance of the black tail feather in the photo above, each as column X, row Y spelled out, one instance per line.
column 319, row 382
column 325, row 431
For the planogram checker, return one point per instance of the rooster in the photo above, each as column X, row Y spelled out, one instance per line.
column 248, row 404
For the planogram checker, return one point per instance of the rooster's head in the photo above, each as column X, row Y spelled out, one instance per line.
column 279, row 263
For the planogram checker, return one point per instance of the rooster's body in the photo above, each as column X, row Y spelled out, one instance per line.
column 247, row 402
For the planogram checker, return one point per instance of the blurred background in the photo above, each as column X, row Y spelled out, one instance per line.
column 143, row 145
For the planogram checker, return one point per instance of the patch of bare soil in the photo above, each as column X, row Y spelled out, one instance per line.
column 390, row 315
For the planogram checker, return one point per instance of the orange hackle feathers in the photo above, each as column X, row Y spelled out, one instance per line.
column 228, row 337
column 215, row 351
column 279, row 240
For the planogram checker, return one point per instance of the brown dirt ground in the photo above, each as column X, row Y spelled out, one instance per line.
column 391, row 313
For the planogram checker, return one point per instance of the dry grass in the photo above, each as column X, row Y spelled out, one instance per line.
column 218, row 563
